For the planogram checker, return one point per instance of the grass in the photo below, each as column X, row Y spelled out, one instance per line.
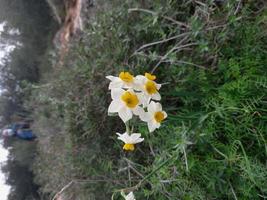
column 213, row 144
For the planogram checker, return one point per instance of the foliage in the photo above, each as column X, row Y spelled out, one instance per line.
column 28, row 28
column 18, row 169
column 210, row 55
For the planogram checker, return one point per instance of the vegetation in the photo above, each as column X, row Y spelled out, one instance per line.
column 19, row 170
column 26, row 35
column 26, row 32
column 210, row 57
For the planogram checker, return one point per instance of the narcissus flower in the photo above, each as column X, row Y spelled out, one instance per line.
column 125, row 103
column 130, row 140
column 148, row 87
column 154, row 116
column 125, row 80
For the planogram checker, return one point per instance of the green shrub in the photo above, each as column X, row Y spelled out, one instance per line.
column 213, row 144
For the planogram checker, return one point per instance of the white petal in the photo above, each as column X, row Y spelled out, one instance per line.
column 123, row 137
column 130, row 196
column 141, row 113
column 116, row 93
column 136, row 138
column 143, row 99
column 151, row 108
column 157, row 125
column 115, row 84
column 151, row 126
column 114, row 106
column 136, row 135
column 156, row 96
column 145, row 117
column 127, row 85
column 165, row 114
column 139, row 140
column 158, row 107
column 111, row 77
column 141, row 79
column 138, row 111
column 119, row 134
column 137, row 86
column 158, row 86
column 125, row 114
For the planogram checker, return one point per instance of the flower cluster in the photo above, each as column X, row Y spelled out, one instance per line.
column 136, row 96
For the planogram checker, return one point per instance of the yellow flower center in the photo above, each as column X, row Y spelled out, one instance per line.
column 130, row 99
column 128, row 147
column 151, row 87
column 159, row 116
column 126, row 77
column 150, row 76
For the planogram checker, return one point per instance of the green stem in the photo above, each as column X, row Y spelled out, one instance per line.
column 128, row 130
column 138, row 185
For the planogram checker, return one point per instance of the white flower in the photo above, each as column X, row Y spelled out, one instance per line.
column 130, row 196
column 130, row 140
column 125, row 103
column 125, row 80
column 148, row 87
column 154, row 116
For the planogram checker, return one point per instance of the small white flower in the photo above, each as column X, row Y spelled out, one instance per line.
column 130, row 196
column 154, row 116
column 148, row 87
column 125, row 103
column 130, row 140
column 125, row 80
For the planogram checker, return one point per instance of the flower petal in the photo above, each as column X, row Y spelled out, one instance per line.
column 158, row 86
column 116, row 93
column 141, row 113
column 145, row 117
column 138, row 111
column 157, row 125
column 111, row 77
column 156, row 96
column 158, row 107
column 136, row 138
column 130, row 196
column 117, row 83
column 141, row 79
column 123, row 137
column 165, row 114
column 125, row 114
column 114, row 106
column 151, row 108
column 151, row 126
column 143, row 98
column 119, row 134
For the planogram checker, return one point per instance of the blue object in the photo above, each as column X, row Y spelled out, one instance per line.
column 25, row 134
column 15, row 127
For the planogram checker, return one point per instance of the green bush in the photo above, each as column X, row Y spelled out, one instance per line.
column 211, row 59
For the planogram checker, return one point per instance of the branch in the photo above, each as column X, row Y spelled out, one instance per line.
column 62, row 190
column 175, row 48
column 155, row 13
column 189, row 63
column 162, row 41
